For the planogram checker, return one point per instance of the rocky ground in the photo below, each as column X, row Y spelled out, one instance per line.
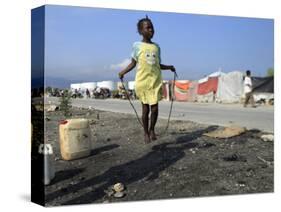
column 181, row 163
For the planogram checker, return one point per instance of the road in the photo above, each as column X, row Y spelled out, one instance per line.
column 261, row 118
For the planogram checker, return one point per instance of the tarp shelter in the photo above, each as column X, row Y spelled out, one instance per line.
column 207, row 89
column 192, row 91
column 263, row 88
column 181, row 90
column 230, row 87
column 263, row 84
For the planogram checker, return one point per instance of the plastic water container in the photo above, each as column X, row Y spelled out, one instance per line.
column 75, row 138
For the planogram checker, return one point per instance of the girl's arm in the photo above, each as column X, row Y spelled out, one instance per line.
column 165, row 67
column 127, row 69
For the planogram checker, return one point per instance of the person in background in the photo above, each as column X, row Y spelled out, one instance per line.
column 248, row 90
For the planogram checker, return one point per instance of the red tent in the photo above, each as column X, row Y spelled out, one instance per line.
column 211, row 85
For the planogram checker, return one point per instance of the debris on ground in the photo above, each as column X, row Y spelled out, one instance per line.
column 265, row 161
column 227, row 132
column 184, row 162
column 268, row 137
column 52, row 108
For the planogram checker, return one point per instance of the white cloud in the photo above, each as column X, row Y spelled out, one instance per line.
column 121, row 65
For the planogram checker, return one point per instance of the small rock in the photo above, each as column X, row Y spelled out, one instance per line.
column 119, row 194
column 52, row 108
column 108, row 139
column 268, row 137
column 118, row 187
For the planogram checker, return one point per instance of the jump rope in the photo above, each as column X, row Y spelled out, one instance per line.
column 171, row 105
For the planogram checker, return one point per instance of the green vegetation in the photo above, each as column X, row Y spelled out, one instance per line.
column 65, row 103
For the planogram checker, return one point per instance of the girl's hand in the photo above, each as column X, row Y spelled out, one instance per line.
column 121, row 75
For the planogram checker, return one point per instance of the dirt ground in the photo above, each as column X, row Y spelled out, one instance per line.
column 181, row 163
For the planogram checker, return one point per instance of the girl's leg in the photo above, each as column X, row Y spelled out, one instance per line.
column 153, row 120
column 145, row 116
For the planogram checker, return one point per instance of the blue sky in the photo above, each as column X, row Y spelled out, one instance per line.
column 93, row 44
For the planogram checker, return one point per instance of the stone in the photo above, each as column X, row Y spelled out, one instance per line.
column 118, row 187
column 268, row 138
column 119, row 194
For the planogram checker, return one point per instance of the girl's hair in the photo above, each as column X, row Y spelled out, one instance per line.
column 140, row 22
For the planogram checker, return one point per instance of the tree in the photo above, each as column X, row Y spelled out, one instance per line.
column 270, row 72
column 65, row 103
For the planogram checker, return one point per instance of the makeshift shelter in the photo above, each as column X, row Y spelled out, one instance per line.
column 263, row 84
column 181, row 90
column 207, row 89
column 263, row 88
column 192, row 91
column 230, row 87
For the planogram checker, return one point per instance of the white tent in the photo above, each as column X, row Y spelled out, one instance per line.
column 88, row 85
column 107, row 84
column 230, row 87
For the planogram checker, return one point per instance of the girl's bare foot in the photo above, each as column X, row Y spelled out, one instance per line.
column 153, row 135
column 147, row 138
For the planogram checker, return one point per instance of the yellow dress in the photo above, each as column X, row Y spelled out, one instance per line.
column 148, row 81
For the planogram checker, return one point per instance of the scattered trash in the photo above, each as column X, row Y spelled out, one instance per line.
column 227, row 132
column 119, row 194
column 241, row 184
column 52, row 108
column 268, row 137
column 265, row 161
column 117, row 190
column 47, row 119
column 118, row 187
column 192, row 151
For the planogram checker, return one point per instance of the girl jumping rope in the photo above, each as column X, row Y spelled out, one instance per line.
column 148, row 81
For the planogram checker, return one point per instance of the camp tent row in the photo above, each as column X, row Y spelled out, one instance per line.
column 218, row 87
